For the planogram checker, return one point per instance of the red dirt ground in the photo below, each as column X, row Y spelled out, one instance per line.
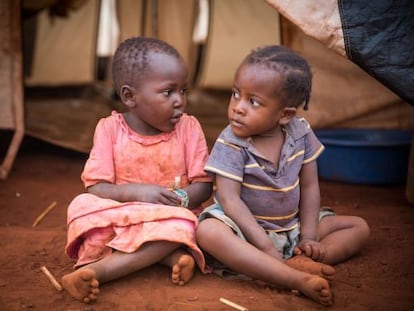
column 380, row 278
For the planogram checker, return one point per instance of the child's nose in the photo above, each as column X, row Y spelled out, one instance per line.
column 239, row 108
column 179, row 100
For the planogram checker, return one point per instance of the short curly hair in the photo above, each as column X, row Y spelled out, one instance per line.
column 131, row 58
column 294, row 69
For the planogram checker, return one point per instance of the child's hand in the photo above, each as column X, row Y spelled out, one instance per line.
column 157, row 194
column 136, row 192
column 310, row 248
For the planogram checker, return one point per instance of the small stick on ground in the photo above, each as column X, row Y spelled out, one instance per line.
column 44, row 213
column 51, row 278
column 233, row 305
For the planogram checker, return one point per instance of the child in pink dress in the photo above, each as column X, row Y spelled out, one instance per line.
column 143, row 177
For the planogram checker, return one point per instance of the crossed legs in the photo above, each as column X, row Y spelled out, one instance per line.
column 83, row 284
column 217, row 239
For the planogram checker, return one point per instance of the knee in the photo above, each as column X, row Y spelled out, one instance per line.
column 363, row 228
column 205, row 232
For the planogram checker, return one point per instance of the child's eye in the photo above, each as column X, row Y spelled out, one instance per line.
column 254, row 102
column 235, row 94
column 166, row 92
column 183, row 91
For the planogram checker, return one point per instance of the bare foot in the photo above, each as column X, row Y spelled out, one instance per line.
column 307, row 264
column 82, row 285
column 318, row 289
column 182, row 266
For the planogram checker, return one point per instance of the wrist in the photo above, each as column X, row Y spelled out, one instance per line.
column 307, row 237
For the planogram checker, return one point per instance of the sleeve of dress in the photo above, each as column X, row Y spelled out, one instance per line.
column 100, row 165
column 226, row 159
column 313, row 147
column 196, row 152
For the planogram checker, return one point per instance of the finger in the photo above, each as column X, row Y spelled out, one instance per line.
column 169, row 201
column 321, row 254
column 315, row 252
column 171, row 198
column 174, row 202
column 164, row 201
column 168, row 194
column 297, row 251
column 308, row 250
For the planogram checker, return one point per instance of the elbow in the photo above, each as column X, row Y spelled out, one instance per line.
column 207, row 191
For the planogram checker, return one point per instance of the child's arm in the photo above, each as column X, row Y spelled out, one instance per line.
column 198, row 192
column 135, row 192
column 309, row 213
column 236, row 209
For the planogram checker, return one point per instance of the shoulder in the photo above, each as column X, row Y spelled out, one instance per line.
column 109, row 127
column 114, row 119
column 298, row 128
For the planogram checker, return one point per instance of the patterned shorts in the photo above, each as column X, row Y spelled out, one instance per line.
column 284, row 241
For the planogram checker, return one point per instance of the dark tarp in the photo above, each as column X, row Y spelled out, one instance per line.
column 379, row 37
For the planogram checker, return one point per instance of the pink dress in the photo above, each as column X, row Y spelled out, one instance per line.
column 97, row 226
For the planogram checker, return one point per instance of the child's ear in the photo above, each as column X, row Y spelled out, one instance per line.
column 287, row 114
column 127, row 94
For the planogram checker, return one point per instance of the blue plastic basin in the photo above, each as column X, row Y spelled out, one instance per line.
column 364, row 156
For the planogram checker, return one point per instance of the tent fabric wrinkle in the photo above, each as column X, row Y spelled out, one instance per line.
column 380, row 39
column 323, row 23
column 378, row 36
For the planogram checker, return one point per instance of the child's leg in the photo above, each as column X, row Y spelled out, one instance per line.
column 218, row 240
column 342, row 237
column 83, row 283
column 182, row 266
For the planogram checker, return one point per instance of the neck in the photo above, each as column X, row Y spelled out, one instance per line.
column 275, row 132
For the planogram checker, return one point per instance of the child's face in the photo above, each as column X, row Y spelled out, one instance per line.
column 254, row 108
column 160, row 96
